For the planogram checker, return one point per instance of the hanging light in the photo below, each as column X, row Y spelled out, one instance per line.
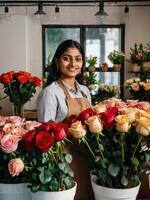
column 101, row 15
column 126, row 9
column 57, row 13
column 40, row 10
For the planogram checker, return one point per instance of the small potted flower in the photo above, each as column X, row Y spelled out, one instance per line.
column 117, row 58
column 91, row 60
column 136, row 54
column 104, row 67
column 146, row 58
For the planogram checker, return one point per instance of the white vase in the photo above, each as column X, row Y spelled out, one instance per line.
column 59, row 195
column 17, row 191
column 105, row 193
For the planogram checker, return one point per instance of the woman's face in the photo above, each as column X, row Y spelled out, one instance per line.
column 70, row 63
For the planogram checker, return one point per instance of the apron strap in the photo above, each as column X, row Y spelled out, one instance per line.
column 60, row 83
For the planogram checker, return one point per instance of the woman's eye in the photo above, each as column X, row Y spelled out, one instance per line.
column 78, row 59
column 66, row 58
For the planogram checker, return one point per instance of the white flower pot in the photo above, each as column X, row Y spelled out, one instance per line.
column 60, row 195
column 17, row 191
column 105, row 193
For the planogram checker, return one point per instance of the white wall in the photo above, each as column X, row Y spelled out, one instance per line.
column 21, row 38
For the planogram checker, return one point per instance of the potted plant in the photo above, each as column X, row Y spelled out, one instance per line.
column 146, row 58
column 91, row 60
column 105, row 92
column 139, row 89
column 14, row 168
column 117, row 58
column 19, row 87
column 117, row 142
column 136, row 54
column 51, row 174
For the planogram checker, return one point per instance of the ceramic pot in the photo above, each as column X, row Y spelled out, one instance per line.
column 58, row 195
column 17, row 191
column 117, row 67
column 105, row 193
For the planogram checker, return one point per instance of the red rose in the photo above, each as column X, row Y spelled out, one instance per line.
column 109, row 116
column 65, row 126
column 27, row 140
column 22, row 79
column 72, row 119
column 85, row 114
column 36, row 81
column 6, row 78
column 59, row 133
column 43, row 141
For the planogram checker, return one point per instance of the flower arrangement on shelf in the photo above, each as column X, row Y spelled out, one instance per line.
column 33, row 153
column 139, row 89
column 116, row 57
column 19, row 87
column 146, row 53
column 91, row 61
column 136, row 54
column 116, row 138
column 14, row 165
column 104, row 92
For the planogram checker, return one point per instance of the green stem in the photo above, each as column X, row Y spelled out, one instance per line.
column 140, row 139
column 53, row 156
column 122, row 146
column 91, row 151
column 97, row 140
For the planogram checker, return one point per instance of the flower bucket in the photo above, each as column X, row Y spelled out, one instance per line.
column 60, row 195
column 105, row 193
column 17, row 191
column 146, row 66
column 117, row 67
column 135, row 68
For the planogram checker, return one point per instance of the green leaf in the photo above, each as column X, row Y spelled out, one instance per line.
column 44, row 187
column 113, row 169
column 68, row 158
column 124, row 180
column 34, row 188
column 135, row 161
column 61, row 166
column 68, row 181
column 45, row 176
column 54, row 184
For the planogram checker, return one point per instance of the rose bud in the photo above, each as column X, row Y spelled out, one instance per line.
column 94, row 123
column 77, row 130
column 85, row 114
column 15, row 166
column 59, row 133
column 72, row 119
column 27, row 140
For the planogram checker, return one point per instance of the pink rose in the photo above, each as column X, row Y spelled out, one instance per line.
column 9, row 143
column 8, row 127
column 18, row 132
column 2, row 121
column 17, row 121
column 15, row 166
column 30, row 125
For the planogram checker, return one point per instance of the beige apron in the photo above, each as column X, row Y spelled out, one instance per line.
column 79, row 163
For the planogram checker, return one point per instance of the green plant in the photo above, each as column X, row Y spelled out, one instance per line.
column 91, row 60
column 116, row 139
column 116, row 57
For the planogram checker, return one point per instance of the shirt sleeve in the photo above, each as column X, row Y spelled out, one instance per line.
column 46, row 106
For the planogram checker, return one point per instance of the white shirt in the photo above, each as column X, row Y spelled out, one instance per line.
column 51, row 102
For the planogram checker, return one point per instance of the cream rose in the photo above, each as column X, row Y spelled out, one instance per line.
column 99, row 108
column 135, row 87
column 132, row 113
column 15, row 166
column 77, row 130
column 8, row 127
column 146, row 86
column 9, row 143
column 94, row 123
column 18, row 132
column 122, row 123
column 143, row 126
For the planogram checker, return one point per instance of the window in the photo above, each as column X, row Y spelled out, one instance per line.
column 97, row 40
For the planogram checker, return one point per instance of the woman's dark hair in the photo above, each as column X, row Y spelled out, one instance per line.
column 53, row 72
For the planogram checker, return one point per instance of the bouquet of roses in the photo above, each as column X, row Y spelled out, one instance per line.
column 14, row 165
column 116, row 136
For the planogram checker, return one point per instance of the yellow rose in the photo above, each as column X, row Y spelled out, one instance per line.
column 143, row 126
column 146, row 86
column 122, row 123
column 94, row 123
column 99, row 108
column 132, row 113
column 143, row 113
column 77, row 130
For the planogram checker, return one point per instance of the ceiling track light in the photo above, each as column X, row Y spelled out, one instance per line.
column 6, row 10
column 56, row 9
column 40, row 10
column 126, row 9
